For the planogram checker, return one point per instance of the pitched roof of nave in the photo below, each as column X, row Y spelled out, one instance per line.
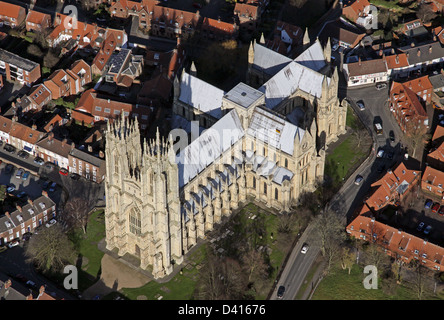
column 201, row 95
column 212, row 143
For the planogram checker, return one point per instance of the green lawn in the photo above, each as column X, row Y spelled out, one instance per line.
column 181, row 287
column 341, row 286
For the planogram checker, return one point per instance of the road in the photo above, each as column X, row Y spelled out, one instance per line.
column 350, row 195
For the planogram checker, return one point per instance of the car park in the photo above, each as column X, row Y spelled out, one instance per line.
column 280, row 292
column 428, row 204
column 304, row 248
column 358, row 180
column 420, row 226
column 435, row 207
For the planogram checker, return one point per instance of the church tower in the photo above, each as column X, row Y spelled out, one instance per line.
column 142, row 215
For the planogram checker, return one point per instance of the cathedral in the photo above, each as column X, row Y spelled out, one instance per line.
column 262, row 141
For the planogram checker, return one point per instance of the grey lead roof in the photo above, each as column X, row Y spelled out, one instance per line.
column 243, row 95
column 269, row 61
column 17, row 61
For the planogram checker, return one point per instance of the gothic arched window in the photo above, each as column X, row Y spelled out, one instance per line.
column 135, row 223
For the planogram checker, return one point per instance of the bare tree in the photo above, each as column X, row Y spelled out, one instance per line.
column 50, row 249
column 416, row 137
column 76, row 213
column 330, row 235
column 348, row 259
column 425, row 13
column 254, row 265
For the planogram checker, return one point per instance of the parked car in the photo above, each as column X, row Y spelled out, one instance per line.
column 3, row 248
column 427, row 229
column 381, row 85
column 46, row 184
column 13, row 243
column 10, row 189
column 9, row 167
column 420, row 226
column 19, row 173
column 428, row 204
column 31, row 284
column 392, row 135
column 52, row 187
column 358, row 180
column 39, row 161
column 51, row 223
column 390, row 155
column 23, row 154
column 360, row 105
column 25, row 175
column 441, row 211
column 22, row 194
column 63, row 172
column 26, row 236
column 435, row 207
column 380, row 153
column 74, row 176
column 9, row 148
column 280, row 292
column 304, row 248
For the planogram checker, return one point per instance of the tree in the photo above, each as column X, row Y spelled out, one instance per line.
column 416, row 137
column 254, row 265
column 76, row 213
column 50, row 249
column 425, row 13
column 330, row 235
column 348, row 259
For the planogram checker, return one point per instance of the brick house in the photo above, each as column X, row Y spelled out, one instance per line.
column 125, row 8
column 357, row 11
column 392, row 187
column 218, row 30
column 435, row 157
column 11, row 15
column 88, row 166
column 37, row 21
column 24, row 138
column 18, row 69
column 54, row 150
column 248, row 15
column 93, row 107
column 407, row 103
column 171, row 23
column 26, row 218
column 365, row 72
column 432, row 183
column 398, row 244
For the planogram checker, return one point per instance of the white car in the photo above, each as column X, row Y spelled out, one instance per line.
column 51, row 223
column 304, row 248
column 380, row 153
column 13, row 243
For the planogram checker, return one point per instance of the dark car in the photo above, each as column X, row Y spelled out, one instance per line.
column 9, row 167
column 441, row 211
column 74, row 176
column 23, row 154
column 428, row 204
column 435, row 207
column 45, row 185
column 9, row 148
column 39, row 161
column 281, row 291
column 381, row 168
column 392, row 135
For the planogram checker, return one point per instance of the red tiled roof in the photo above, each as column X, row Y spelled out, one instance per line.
column 246, row 10
column 396, row 61
column 37, row 17
column 10, row 10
